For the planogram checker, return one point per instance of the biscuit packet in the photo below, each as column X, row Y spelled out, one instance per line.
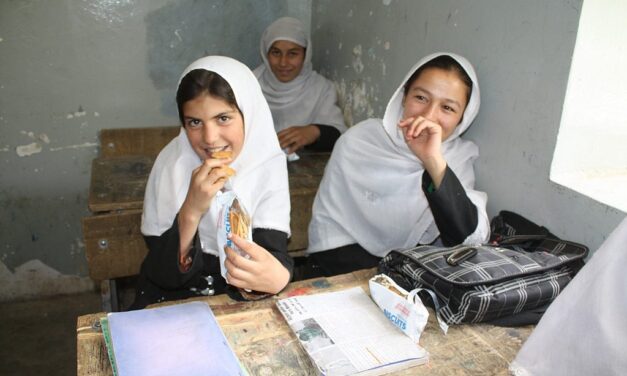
column 233, row 218
column 403, row 309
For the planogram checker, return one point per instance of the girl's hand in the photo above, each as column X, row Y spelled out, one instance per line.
column 296, row 138
column 206, row 181
column 260, row 272
column 424, row 138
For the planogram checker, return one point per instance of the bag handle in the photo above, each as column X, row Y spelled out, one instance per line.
column 517, row 239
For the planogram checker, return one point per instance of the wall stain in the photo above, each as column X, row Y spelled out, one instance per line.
column 81, row 112
column 358, row 65
column 28, row 150
column 78, row 146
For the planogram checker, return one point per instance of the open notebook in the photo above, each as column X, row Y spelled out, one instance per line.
column 345, row 333
column 181, row 339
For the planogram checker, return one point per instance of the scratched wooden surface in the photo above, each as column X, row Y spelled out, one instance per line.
column 265, row 344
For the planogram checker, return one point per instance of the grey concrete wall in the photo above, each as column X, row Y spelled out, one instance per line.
column 72, row 67
column 521, row 51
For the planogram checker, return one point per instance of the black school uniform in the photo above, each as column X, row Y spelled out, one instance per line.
column 161, row 279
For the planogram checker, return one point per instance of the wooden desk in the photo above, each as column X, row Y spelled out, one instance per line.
column 114, row 246
column 265, row 344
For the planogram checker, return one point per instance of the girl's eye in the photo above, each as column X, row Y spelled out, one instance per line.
column 421, row 98
column 223, row 119
column 448, row 108
column 194, row 123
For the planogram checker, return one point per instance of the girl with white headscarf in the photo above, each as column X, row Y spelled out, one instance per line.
column 221, row 108
column 404, row 180
column 303, row 103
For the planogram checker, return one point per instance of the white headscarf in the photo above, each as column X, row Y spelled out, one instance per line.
column 260, row 181
column 584, row 331
column 371, row 190
column 307, row 99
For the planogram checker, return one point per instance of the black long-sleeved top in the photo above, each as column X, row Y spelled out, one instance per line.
column 161, row 278
column 454, row 214
column 326, row 141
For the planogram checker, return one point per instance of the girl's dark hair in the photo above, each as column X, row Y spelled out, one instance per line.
column 198, row 82
column 446, row 63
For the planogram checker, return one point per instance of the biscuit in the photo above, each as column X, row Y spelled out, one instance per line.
column 240, row 221
column 222, row 154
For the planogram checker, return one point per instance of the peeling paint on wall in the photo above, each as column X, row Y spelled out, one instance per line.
column 110, row 11
column 451, row 15
column 78, row 146
column 358, row 65
column 77, row 114
column 36, row 279
column 33, row 147
column 40, row 137
column 354, row 100
column 28, row 150
column 387, row 2
column 175, row 43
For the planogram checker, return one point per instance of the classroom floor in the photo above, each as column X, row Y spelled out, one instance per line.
column 38, row 337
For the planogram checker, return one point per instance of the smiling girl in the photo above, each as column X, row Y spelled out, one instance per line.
column 404, row 180
column 221, row 109
column 303, row 103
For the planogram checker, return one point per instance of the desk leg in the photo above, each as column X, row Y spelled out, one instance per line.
column 109, row 295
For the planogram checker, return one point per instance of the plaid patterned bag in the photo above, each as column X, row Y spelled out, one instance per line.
column 483, row 283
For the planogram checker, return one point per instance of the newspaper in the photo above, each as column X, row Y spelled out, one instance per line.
column 345, row 333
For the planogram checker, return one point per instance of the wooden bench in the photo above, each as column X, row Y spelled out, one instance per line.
column 114, row 246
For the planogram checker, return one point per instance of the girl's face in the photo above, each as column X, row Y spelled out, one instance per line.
column 212, row 124
column 438, row 95
column 286, row 60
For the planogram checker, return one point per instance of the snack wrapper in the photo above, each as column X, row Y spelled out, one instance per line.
column 404, row 309
column 291, row 157
column 232, row 218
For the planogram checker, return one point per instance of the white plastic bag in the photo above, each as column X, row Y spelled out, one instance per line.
column 404, row 309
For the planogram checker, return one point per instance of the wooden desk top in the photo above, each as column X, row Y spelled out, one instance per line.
column 118, row 183
column 265, row 344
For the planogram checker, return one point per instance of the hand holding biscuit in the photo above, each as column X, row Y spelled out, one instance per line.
column 224, row 154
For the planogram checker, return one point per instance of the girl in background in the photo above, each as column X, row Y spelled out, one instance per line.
column 303, row 103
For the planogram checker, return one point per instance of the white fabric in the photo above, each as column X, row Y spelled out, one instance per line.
column 584, row 331
column 307, row 99
column 371, row 190
column 261, row 169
